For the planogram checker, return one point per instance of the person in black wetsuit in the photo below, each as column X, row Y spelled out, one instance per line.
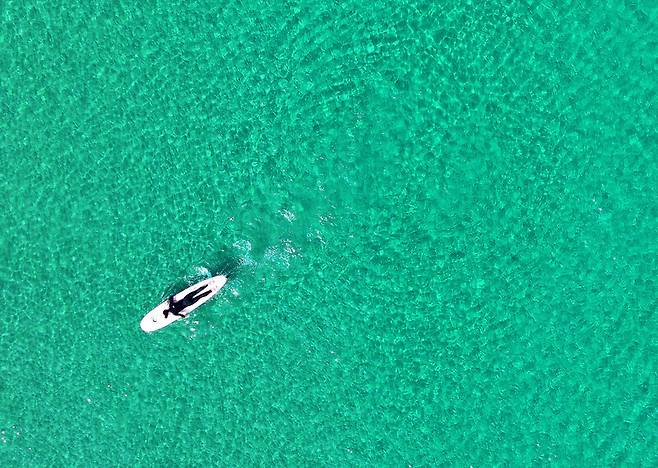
column 176, row 307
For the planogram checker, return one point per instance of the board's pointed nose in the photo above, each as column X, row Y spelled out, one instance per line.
column 220, row 280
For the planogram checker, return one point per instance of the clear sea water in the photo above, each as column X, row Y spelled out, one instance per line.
column 445, row 216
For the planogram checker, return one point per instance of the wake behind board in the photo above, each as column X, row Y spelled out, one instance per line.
column 155, row 320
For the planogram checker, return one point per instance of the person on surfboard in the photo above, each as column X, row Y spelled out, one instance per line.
column 177, row 307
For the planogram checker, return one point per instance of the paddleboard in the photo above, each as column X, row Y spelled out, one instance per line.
column 155, row 320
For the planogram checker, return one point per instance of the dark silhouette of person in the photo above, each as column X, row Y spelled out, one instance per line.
column 177, row 307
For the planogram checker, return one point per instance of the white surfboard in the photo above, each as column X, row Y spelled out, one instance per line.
column 155, row 320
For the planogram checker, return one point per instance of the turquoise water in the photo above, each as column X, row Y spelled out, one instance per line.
column 445, row 213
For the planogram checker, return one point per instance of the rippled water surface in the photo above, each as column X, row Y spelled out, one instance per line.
column 445, row 216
